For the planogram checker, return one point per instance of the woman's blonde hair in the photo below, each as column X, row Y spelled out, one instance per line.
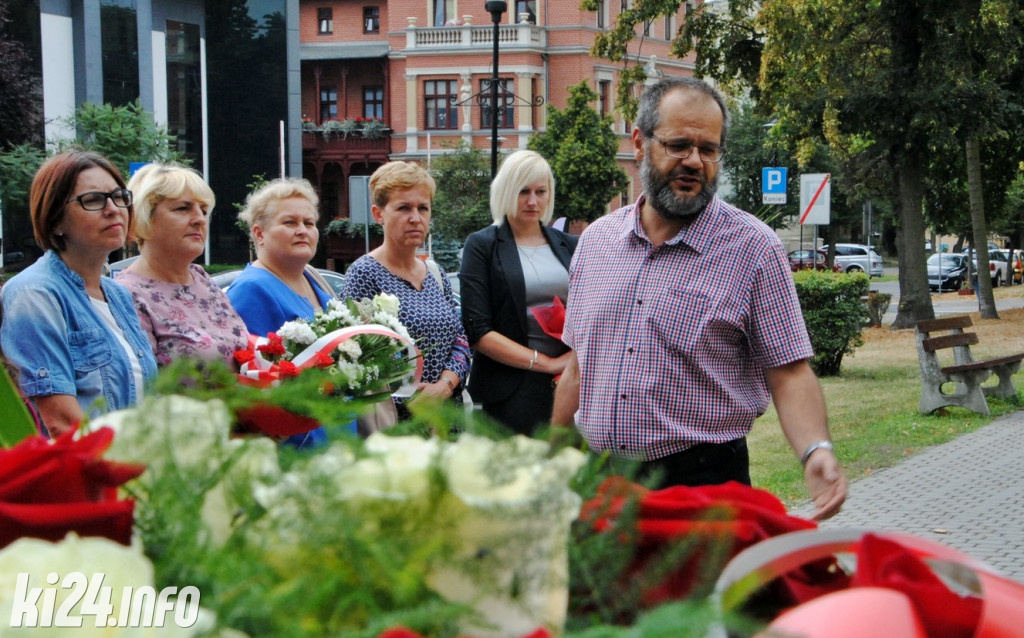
column 261, row 203
column 519, row 170
column 398, row 176
column 153, row 183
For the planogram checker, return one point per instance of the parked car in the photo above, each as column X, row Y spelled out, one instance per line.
column 806, row 259
column 857, row 258
column 998, row 266
column 946, row 271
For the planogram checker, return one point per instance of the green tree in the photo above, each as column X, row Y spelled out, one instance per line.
column 581, row 147
column 21, row 116
column 462, row 201
column 123, row 134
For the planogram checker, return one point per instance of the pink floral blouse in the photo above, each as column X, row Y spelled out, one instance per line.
column 194, row 320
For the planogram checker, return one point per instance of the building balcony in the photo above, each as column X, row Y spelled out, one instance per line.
column 480, row 37
column 337, row 146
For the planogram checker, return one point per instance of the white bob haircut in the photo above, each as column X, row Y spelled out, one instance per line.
column 519, row 170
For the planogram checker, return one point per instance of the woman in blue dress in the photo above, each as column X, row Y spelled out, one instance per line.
column 401, row 193
column 276, row 288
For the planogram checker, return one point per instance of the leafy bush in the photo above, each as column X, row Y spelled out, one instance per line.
column 878, row 303
column 834, row 313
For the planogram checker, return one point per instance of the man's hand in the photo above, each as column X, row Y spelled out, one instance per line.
column 825, row 483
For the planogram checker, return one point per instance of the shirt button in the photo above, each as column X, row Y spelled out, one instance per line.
column 623, row 395
column 138, row 353
column 629, row 350
column 639, row 302
column 42, row 373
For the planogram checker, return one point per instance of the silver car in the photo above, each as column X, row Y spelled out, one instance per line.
column 857, row 258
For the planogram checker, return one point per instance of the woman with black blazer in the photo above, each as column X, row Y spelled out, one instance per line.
column 517, row 264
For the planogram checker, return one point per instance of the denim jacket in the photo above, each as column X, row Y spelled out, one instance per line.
column 60, row 345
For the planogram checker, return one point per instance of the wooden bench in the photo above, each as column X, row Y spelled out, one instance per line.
column 966, row 373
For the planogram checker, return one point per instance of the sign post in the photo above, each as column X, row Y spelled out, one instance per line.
column 773, row 185
column 815, row 198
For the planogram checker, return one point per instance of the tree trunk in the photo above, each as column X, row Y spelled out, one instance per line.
column 986, row 302
column 915, row 297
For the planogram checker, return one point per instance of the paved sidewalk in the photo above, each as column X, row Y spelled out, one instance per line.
column 967, row 493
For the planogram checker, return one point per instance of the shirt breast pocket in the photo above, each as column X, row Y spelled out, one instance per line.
column 680, row 318
column 89, row 350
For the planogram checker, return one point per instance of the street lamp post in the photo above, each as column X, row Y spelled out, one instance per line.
column 495, row 8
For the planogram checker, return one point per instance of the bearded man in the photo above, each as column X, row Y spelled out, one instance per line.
column 684, row 320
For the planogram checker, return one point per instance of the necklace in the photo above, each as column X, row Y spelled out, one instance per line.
column 529, row 257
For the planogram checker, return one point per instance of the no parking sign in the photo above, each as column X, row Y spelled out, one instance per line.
column 815, row 198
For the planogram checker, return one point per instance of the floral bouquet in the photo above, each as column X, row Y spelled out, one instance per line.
column 361, row 348
column 361, row 343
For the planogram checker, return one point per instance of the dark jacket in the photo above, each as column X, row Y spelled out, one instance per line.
column 493, row 294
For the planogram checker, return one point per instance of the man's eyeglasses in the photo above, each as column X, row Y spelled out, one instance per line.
column 95, row 200
column 682, row 149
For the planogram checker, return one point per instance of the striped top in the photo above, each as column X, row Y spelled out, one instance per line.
column 673, row 341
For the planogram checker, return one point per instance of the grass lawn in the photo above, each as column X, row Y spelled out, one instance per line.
column 872, row 407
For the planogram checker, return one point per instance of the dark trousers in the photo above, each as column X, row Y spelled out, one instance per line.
column 704, row 464
column 529, row 406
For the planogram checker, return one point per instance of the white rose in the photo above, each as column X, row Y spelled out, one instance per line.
column 387, row 303
column 121, row 566
column 297, row 331
column 350, row 348
column 168, row 431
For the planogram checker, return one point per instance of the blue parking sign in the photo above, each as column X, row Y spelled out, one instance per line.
column 773, row 185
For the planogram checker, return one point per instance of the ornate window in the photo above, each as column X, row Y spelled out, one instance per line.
column 439, row 101
column 506, row 99
column 325, row 21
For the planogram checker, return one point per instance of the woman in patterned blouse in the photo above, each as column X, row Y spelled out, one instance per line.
column 182, row 311
column 400, row 193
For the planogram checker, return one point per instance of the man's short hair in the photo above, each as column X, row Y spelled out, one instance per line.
column 648, row 118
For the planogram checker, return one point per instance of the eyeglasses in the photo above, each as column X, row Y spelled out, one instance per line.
column 95, row 200
column 682, row 149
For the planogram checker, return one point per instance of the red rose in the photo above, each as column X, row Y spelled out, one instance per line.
column 323, row 360
column 274, row 345
column 272, row 420
column 715, row 521
column 244, row 356
column 288, row 369
column 51, row 487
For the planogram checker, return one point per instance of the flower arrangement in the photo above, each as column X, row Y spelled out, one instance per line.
column 343, row 226
column 369, row 127
column 361, row 344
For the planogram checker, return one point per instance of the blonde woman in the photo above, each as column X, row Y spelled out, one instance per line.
column 276, row 288
column 508, row 268
column 401, row 193
column 183, row 312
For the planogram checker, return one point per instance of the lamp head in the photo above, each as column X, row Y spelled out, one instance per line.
column 495, row 8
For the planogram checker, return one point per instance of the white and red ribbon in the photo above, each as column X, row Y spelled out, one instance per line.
column 261, row 372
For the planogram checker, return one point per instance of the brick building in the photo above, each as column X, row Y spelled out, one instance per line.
column 424, row 67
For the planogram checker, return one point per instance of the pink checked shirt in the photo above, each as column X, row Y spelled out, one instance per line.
column 673, row 341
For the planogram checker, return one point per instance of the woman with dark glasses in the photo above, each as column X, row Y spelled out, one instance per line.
column 72, row 333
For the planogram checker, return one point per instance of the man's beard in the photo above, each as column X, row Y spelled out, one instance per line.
column 663, row 199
